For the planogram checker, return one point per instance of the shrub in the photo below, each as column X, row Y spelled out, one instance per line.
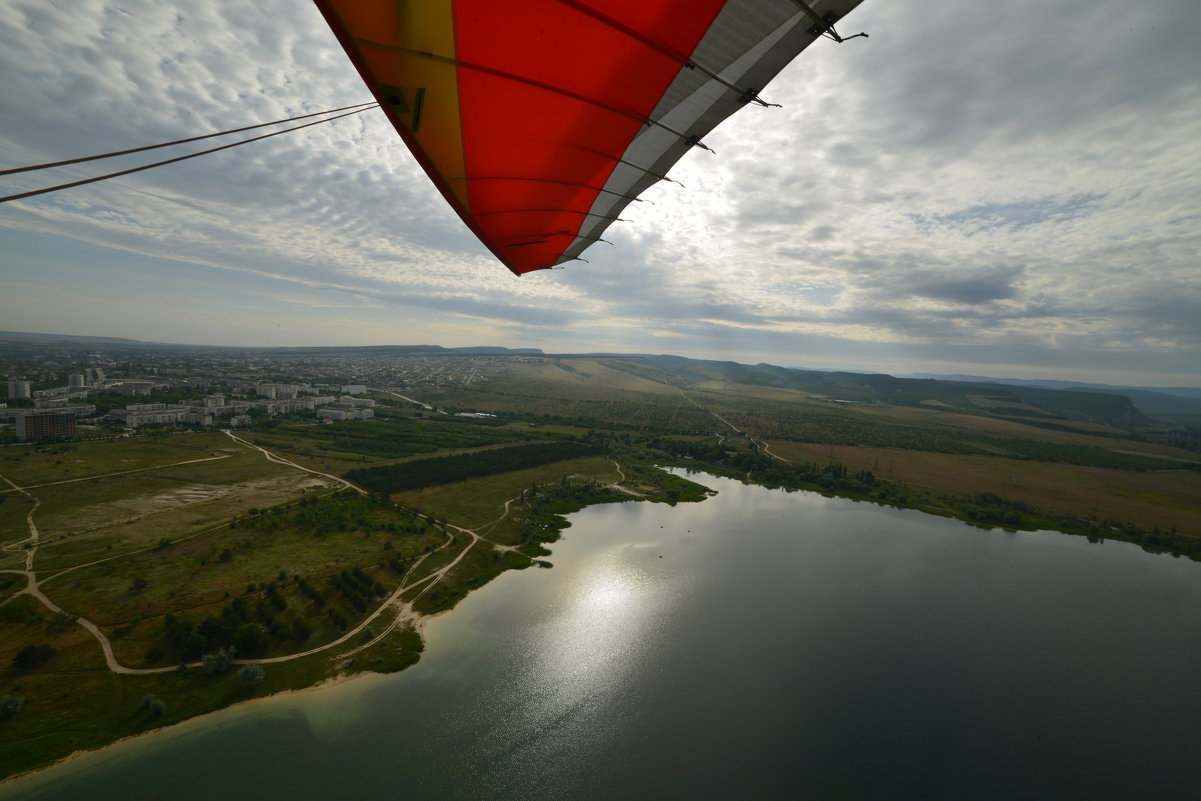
column 33, row 655
column 251, row 674
column 153, row 704
column 217, row 662
column 10, row 705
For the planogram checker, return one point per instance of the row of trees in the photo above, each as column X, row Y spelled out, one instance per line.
column 459, row 467
column 395, row 437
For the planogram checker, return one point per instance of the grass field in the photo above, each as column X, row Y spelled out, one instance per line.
column 1153, row 499
column 479, row 502
column 40, row 464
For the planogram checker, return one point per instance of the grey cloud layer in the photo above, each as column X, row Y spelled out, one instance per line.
column 1019, row 178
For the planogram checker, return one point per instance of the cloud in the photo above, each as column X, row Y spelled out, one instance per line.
column 1016, row 178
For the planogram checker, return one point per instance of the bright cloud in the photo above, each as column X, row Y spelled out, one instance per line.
column 1010, row 185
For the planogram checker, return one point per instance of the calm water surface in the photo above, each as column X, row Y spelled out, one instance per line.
column 760, row 644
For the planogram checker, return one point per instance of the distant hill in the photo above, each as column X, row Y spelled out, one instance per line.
column 74, row 338
column 1033, row 405
column 1150, row 400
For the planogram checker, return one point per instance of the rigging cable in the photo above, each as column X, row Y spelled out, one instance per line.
column 357, row 109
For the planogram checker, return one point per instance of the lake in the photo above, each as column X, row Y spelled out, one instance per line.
column 761, row 644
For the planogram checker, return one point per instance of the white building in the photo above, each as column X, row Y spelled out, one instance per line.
column 142, row 414
column 18, row 389
column 197, row 416
column 342, row 411
column 295, row 405
column 354, row 389
column 368, row 403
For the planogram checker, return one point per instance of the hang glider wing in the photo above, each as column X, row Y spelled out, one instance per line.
column 540, row 120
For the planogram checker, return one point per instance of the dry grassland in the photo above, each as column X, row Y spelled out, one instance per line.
column 1163, row 499
column 987, row 402
column 84, row 459
column 909, row 414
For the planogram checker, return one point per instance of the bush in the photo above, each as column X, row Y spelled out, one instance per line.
column 251, row 674
column 217, row 662
column 10, row 705
column 153, row 704
column 33, row 655
column 249, row 638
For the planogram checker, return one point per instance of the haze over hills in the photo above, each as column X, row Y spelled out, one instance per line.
column 23, row 336
column 1121, row 407
column 1151, row 400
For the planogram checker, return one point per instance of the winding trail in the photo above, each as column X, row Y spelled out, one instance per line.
column 33, row 587
column 34, row 536
column 759, row 444
column 621, row 477
column 404, row 610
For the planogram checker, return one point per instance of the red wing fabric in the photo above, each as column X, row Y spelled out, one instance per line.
column 540, row 120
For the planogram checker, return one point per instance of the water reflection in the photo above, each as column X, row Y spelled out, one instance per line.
column 583, row 658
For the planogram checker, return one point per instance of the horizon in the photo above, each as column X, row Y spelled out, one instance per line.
column 49, row 338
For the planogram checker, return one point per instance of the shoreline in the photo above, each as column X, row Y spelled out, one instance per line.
column 176, row 728
column 419, row 624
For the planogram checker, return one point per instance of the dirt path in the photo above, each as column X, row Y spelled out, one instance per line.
column 425, row 406
column 760, row 444
column 33, row 587
column 621, row 477
column 117, row 473
column 33, row 537
column 271, row 457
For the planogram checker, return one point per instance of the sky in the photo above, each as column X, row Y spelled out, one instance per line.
column 1003, row 189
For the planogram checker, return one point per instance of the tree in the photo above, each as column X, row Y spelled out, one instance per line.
column 153, row 704
column 33, row 655
column 249, row 638
column 194, row 645
column 217, row 662
column 251, row 674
